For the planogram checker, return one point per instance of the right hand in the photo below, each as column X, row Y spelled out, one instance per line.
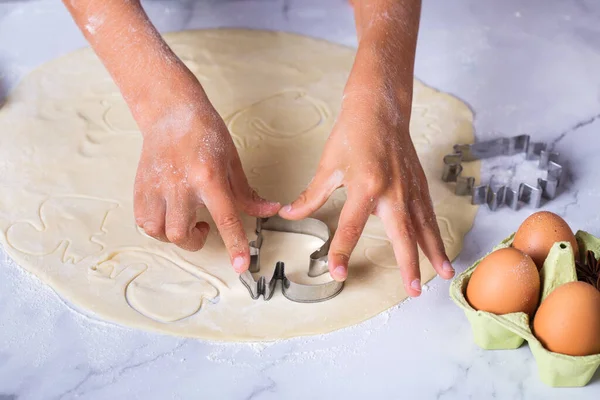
column 189, row 161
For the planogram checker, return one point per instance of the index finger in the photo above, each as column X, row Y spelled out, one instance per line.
column 353, row 219
column 218, row 199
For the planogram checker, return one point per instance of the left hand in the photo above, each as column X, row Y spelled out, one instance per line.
column 370, row 152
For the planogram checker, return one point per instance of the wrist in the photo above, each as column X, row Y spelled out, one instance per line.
column 166, row 106
column 385, row 57
column 376, row 75
column 163, row 84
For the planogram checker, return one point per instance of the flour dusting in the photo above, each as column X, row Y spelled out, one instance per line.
column 96, row 333
column 94, row 22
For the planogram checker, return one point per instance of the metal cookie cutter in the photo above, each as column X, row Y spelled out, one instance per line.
column 298, row 292
column 480, row 194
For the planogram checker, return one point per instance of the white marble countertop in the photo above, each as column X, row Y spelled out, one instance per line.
column 524, row 67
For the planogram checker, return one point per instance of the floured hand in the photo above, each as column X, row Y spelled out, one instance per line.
column 189, row 161
column 370, row 151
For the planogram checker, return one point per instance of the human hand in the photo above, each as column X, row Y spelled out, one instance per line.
column 370, row 152
column 189, row 161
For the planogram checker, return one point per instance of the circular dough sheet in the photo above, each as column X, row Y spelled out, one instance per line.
column 68, row 154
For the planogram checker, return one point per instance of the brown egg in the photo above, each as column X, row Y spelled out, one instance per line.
column 538, row 233
column 505, row 281
column 568, row 320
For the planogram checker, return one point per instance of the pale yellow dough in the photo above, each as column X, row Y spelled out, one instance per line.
column 68, row 155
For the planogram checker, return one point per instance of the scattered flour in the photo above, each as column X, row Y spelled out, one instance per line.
column 94, row 22
column 304, row 349
column 106, row 353
column 510, row 171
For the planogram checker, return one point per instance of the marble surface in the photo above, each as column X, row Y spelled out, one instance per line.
column 524, row 67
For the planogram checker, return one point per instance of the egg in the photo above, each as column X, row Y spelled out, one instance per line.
column 505, row 281
column 538, row 233
column 568, row 320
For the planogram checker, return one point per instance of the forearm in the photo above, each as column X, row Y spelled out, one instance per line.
column 387, row 34
column 132, row 50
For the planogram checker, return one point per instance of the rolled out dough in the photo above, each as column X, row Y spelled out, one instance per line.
column 68, row 154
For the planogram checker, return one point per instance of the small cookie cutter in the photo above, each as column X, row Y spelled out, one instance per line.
column 485, row 194
column 298, row 292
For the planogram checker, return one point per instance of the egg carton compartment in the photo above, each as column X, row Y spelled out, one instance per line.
column 510, row 331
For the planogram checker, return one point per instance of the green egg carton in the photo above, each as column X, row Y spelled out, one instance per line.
column 510, row 331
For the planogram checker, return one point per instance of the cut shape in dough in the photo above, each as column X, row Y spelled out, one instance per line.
column 69, row 154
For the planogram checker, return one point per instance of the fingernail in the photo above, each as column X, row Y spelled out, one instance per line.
column 416, row 285
column 446, row 266
column 238, row 264
column 340, row 272
column 287, row 208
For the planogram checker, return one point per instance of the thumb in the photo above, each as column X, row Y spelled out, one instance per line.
column 315, row 195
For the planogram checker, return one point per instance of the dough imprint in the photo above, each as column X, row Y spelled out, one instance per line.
column 68, row 154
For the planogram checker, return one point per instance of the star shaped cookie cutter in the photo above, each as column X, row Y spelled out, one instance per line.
column 484, row 194
column 298, row 292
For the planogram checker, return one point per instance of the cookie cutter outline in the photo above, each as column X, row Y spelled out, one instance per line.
column 318, row 264
column 504, row 195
